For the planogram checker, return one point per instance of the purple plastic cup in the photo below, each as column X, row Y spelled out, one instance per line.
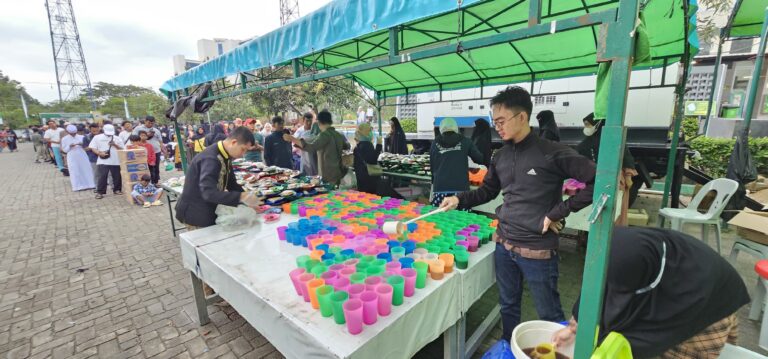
column 370, row 306
column 372, row 282
column 353, row 315
column 303, row 280
column 281, row 232
column 410, row 281
column 329, row 277
column 355, row 290
column 351, row 263
column 384, row 292
column 341, row 283
column 294, row 274
column 463, row 243
column 302, row 211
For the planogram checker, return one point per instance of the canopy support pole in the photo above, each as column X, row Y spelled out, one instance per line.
column 179, row 141
column 619, row 45
column 376, row 99
column 679, row 114
column 715, row 74
column 755, row 82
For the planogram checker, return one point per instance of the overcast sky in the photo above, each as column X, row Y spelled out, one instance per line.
column 127, row 42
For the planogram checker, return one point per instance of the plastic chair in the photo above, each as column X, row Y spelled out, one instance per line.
column 761, row 267
column 725, row 189
column 759, row 251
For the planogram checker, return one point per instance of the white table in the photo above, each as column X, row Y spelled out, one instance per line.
column 172, row 194
column 250, row 270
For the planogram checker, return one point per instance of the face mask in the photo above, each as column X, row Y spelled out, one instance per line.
column 589, row 131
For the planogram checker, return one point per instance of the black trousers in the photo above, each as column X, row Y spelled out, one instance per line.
column 102, row 171
column 154, row 171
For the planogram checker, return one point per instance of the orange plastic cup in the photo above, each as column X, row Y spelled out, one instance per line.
column 312, row 286
column 436, row 270
column 447, row 258
column 316, row 254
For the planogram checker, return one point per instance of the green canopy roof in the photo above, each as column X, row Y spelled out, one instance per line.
column 747, row 18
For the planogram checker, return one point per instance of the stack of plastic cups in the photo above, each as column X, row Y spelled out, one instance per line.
column 353, row 315
column 329, row 277
column 302, row 261
column 303, row 281
column 324, row 294
column 385, row 256
column 431, row 257
column 294, row 275
column 421, row 274
column 384, row 292
column 341, row 283
column 372, row 282
column 409, row 274
column 319, row 269
column 370, row 301
column 355, row 289
column 312, row 286
column 398, row 285
column 393, row 267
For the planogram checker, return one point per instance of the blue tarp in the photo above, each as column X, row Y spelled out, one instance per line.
column 464, row 121
column 339, row 21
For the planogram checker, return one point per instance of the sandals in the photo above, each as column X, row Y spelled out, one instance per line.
column 146, row 205
column 157, row 203
column 118, row 193
column 99, row 196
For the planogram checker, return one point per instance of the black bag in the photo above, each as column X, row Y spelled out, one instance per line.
column 741, row 169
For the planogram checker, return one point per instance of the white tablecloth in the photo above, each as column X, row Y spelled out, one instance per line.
column 478, row 277
column 250, row 270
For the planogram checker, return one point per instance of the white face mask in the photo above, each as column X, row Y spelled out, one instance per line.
column 589, row 131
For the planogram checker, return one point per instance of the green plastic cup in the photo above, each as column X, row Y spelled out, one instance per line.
column 318, row 270
column 398, row 284
column 324, row 294
column 337, row 300
column 367, row 259
column 357, row 278
column 329, row 262
column 362, row 266
column 312, row 263
column 302, row 261
column 462, row 259
column 421, row 245
column 421, row 274
column 433, row 249
column 372, row 271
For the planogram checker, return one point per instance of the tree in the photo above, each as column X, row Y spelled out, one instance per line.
column 11, row 109
column 706, row 27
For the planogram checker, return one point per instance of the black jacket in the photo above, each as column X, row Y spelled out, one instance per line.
column 530, row 175
column 208, row 175
column 396, row 142
column 448, row 160
column 481, row 137
column 365, row 153
column 277, row 151
column 589, row 147
column 547, row 126
column 215, row 136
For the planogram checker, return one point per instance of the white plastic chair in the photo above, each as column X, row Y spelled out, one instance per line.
column 725, row 189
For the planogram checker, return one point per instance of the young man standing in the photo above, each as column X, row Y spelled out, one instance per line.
column 92, row 157
column 105, row 146
column 52, row 136
column 126, row 132
column 155, row 139
column 277, row 151
column 254, row 154
column 308, row 133
column 530, row 173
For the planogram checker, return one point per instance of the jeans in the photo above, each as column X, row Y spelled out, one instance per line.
column 541, row 277
column 101, row 178
column 58, row 158
column 154, row 171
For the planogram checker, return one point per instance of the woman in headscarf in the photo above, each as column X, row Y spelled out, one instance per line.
column 669, row 294
column 448, row 160
column 547, row 126
column 197, row 142
column 590, row 147
column 266, row 130
column 395, row 141
column 80, row 171
column 365, row 154
column 215, row 136
column 481, row 137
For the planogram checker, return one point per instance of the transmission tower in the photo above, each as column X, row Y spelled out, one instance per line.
column 71, row 73
column 289, row 11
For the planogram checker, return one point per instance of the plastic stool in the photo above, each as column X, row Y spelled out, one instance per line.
column 735, row 352
column 759, row 251
column 761, row 267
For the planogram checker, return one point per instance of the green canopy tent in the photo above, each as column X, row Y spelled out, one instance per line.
column 396, row 48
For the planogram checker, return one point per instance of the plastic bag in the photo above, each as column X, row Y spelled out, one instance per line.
column 169, row 166
column 348, row 181
column 500, row 350
column 236, row 218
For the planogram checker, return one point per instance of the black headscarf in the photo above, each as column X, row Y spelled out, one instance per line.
column 395, row 142
column 197, row 135
column 481, row 137
column 547, row 126
column 590, row 146
column 215, row 136
column 697, row 288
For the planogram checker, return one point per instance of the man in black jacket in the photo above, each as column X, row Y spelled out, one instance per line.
column 277, row 151
column 210, row 181
column 530, row 174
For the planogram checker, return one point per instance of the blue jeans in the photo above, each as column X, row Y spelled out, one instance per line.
column 57, row 157
column 541, row 277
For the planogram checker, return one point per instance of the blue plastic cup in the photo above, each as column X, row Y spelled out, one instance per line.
column 406, row 262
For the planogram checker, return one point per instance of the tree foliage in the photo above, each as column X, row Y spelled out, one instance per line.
column 707, row 29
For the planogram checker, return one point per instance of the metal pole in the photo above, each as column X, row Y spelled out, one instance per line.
column 378, row 111
column 753, row 85
column 715, row 74
column 179, row 142
column 618, row 49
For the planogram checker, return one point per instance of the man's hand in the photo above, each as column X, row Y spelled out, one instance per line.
column 563, row 337
column 288, row 138
column 450, row 202
column 251, row 200
column 555, row 226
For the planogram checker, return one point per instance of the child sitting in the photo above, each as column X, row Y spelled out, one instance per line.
column 145, row 193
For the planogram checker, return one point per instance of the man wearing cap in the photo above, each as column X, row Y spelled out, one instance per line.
column 154, row 137
column 105, row 146
column 254, row 154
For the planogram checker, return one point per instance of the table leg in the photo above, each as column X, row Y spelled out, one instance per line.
column 461, row 336
column 451, row 343
column 482, row 331
column 170, row 213
column 200, row 300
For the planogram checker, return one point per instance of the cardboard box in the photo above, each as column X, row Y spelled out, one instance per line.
column 132, row 156
column 751, row 225
column 132, row 176
column 760, row 197
column 134, row 167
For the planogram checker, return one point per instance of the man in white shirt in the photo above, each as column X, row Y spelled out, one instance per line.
column 105, row 146
column 126, row 133
column 53, row 136
column 154, row 137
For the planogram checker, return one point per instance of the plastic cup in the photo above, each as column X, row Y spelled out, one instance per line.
column 409, row 274
column 342, row 283
column 379, row 263
column 398, row 287
column 337, row 267
column 367, row 259
column 337, row 300
column 373, row 271
column 397, row 252
column 406, row 262
column 324, row 298
column 385, row 256
column 353, row 315
column 370, row 306
column 462, row 259
column 302, row 261
column 351, row 262
column 303, row 280
column 421, row 274
column 346, row 272
column 281, row 232
column 362, row 267
column 393, row 266
column 420, row 251
column 357, row 278
column 355, row 290
column 463, row 244
column 372, row 282
column 384, row 292
column 294, row 275
column 329, row 277
column 319, row 269
column 437, row 269
column 431, row 257
column 447, row 258
column 474, row 242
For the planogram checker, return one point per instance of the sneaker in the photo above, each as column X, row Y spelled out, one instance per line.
column 99, row 196
column 147, row 204
column 118, row 193
column 157, row 203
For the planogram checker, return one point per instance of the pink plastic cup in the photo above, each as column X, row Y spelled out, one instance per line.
column 329, row 277
column 337, row 267
column 410, row 281
column 384, row 292
column 474, row 242
column 370, row 306
column 372, row 282
column 393, row 266
column 346, row 272
column 294, row 274
column 281, row 232
column 341, row 283
column 303, row 280
column 355, row 290
column 353, row 315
